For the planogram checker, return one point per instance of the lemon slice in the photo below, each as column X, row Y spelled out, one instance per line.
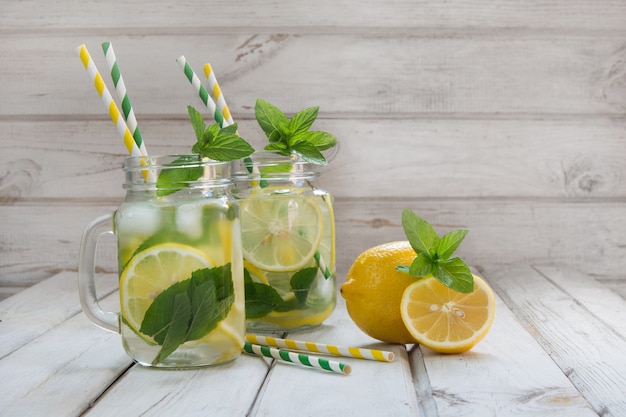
column 445, row 320
column 152, row 271
column 280, row 233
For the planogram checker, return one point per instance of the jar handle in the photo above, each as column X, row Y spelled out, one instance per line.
column 86, row 271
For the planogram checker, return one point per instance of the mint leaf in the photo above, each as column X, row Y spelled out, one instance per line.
column 301, row 283
column 454, row 273
column 322, row 140
column 422, row 266
column 227, row 147
column 292, row 136
column 449, row 243
column 197, row 122
column 218, row 144
column 302, row 121
column 308, row 152
column 261, row 299
column 176, row 329
column 421, row 235
column 433, row 254
column 269, row 117
column 176, row 178
column 212, row 294
column 162, row 312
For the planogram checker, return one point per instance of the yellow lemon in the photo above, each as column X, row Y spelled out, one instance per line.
column 445, row 320
column 373, row 291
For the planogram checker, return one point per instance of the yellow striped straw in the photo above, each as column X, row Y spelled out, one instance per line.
column 107, row 100
column 313, row 347
column 217, row 93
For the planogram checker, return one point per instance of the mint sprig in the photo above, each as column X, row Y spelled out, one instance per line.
column 434, row 254
column 218, row 144
column 292, row 136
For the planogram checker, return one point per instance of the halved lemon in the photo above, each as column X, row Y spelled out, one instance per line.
column 444, row 320
column 280, row 233
column 152, row 271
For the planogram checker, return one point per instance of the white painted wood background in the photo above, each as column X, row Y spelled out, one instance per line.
column 503, row 117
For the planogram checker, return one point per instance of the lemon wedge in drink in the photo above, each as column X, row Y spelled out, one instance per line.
column 152, row 271
column 280, row 232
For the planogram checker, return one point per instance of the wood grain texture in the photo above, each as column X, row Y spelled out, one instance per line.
column 404, row 158
column 504, row 74
column 588, row 350
column 432, row 15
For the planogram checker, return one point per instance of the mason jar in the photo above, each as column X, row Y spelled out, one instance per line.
column 180, row 263
column 288, row 242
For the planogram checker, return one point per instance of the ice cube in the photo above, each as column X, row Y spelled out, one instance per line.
column 138, row 219
column 189, row 219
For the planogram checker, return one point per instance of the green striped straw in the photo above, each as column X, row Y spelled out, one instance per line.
column 297, row 358
column 201, row 91
column 122, row 94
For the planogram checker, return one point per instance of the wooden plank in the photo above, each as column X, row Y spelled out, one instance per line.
column 605, row 305
column 38, row 309
column 62, row 371
column 405, row 158
column 500, row 377
column 506, row 75
column 221, row 391
column 501, row 232
column 579, row 15
column 618, row 285
column 588, row 350
column 289, row 389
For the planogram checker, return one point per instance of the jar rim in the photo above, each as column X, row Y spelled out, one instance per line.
column 145, row 171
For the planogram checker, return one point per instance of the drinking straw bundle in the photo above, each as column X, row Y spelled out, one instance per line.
column 271, row 347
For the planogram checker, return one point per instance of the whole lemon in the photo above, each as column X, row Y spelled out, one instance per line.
column 373, row 291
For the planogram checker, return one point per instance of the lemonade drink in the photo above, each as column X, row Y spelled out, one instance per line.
column 180, row 264
column 288, row 240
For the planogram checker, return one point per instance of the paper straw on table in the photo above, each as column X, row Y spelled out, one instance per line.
column 217, row 93
column 112, row 109
column 349, row 352
column 122, row 95
column 201, row 91
column 297, row 358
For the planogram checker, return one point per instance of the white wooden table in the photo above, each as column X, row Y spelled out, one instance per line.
column 557, row 348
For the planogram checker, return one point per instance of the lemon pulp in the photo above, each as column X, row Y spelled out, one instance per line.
column 445, row 320
column 280, row 233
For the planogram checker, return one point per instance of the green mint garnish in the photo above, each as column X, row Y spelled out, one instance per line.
column 262, row 299
column 215, row 143
column 434, row 254
column 176, row 178
column 211, row 142
column 189, row 309
column 292, row 136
